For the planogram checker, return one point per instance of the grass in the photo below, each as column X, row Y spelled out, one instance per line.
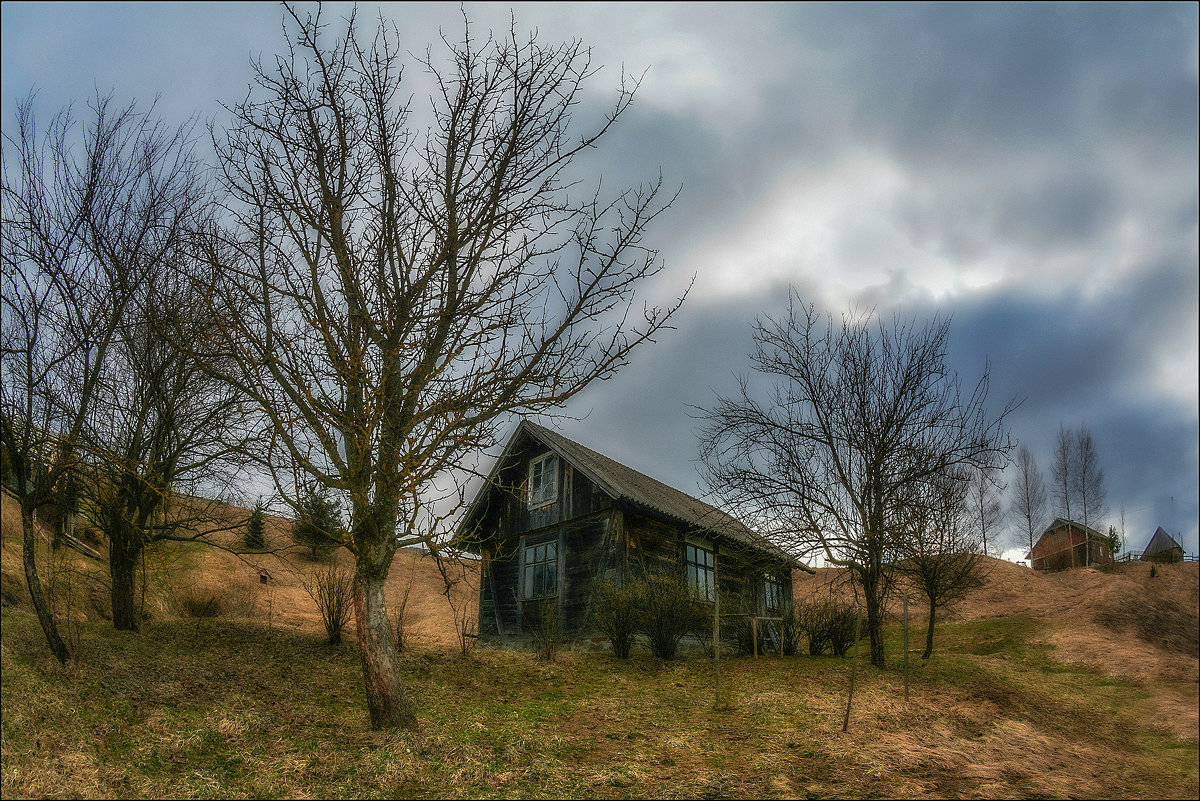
column 216, row 708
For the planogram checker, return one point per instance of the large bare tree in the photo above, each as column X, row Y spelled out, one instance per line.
column 860, row 414
column 392, row 289
column 168, row 438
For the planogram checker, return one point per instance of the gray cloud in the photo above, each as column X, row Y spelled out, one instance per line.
column 1029, row 169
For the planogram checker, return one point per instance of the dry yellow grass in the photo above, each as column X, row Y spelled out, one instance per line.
column 187, row 574
column 980, row 723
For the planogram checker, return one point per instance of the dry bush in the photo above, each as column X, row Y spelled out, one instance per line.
column 614, row 613
column 403, row 632
column 667, row 611
column 540, row 619
column 332, row 590
column 196, row 603
column 827, row 624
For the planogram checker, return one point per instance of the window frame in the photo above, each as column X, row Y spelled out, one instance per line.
column 548, row 493
column 700, row 561
column 770, row 585
column 534, row 582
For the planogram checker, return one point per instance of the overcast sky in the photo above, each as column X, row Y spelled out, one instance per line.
column 1028, row 170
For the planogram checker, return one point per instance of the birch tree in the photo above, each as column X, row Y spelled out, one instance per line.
column 1029, row 495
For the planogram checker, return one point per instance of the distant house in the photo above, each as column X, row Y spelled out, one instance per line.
column 1069, row 544
column 555, row 516
column 1163, row 548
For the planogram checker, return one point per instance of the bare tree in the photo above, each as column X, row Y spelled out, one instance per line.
column 390, row 294
column 1089, row 477
column 165, row 432
column 61, row 308
column 859, row 416
column 983, row 503
column 941, row 552
column 1029, row 495
column 1064, row 471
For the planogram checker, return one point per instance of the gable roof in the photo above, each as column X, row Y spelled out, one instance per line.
column 1161, row 542
column 1060, row 522
column 623, row 483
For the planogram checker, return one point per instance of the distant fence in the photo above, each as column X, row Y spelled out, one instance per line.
column 1134, row 556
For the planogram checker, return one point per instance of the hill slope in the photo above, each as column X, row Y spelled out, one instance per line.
column 1042, row 686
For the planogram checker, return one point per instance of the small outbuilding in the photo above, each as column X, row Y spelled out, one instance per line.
column 1068, row 544
column 1162, row 548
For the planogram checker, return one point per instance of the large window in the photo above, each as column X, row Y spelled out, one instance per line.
column 770, row 595
column 541, row 570
column 543, row 481
column 700, row 564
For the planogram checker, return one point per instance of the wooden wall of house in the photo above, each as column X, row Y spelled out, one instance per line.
column 592, row 551
column 659, row 545
column 579, row 520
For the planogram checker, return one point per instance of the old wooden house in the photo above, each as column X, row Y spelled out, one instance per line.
column 555, row 516
column 1067, row 544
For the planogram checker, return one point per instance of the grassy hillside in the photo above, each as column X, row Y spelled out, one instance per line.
column 1042, row 686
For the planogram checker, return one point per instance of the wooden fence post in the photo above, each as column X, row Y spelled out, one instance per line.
column 853, row 670
column 905, row 646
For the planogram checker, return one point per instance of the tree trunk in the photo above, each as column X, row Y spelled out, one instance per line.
column 45, row 617
column 123, row 553
column 929, row 632
column 874, row 621
column 386, row 700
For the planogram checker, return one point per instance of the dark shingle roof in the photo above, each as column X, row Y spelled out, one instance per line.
column 1161, row 542
column 640, row 490
column 1063, row 523
column 625, row 483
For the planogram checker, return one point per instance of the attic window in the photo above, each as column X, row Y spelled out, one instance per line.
column 543, row 481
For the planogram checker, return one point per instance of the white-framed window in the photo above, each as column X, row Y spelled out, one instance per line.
column 541, row 570
column 700, row 567
column 543, row 481
column 770, row 595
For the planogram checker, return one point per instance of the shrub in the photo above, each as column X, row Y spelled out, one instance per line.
column 614, row 613
column 827, row 624
column 789, row 631
column 843, row 628
column 256, row 528
column 318, row 524
column 332, row 590
column 812, row 620
column 667, row 611
column 541, row 621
